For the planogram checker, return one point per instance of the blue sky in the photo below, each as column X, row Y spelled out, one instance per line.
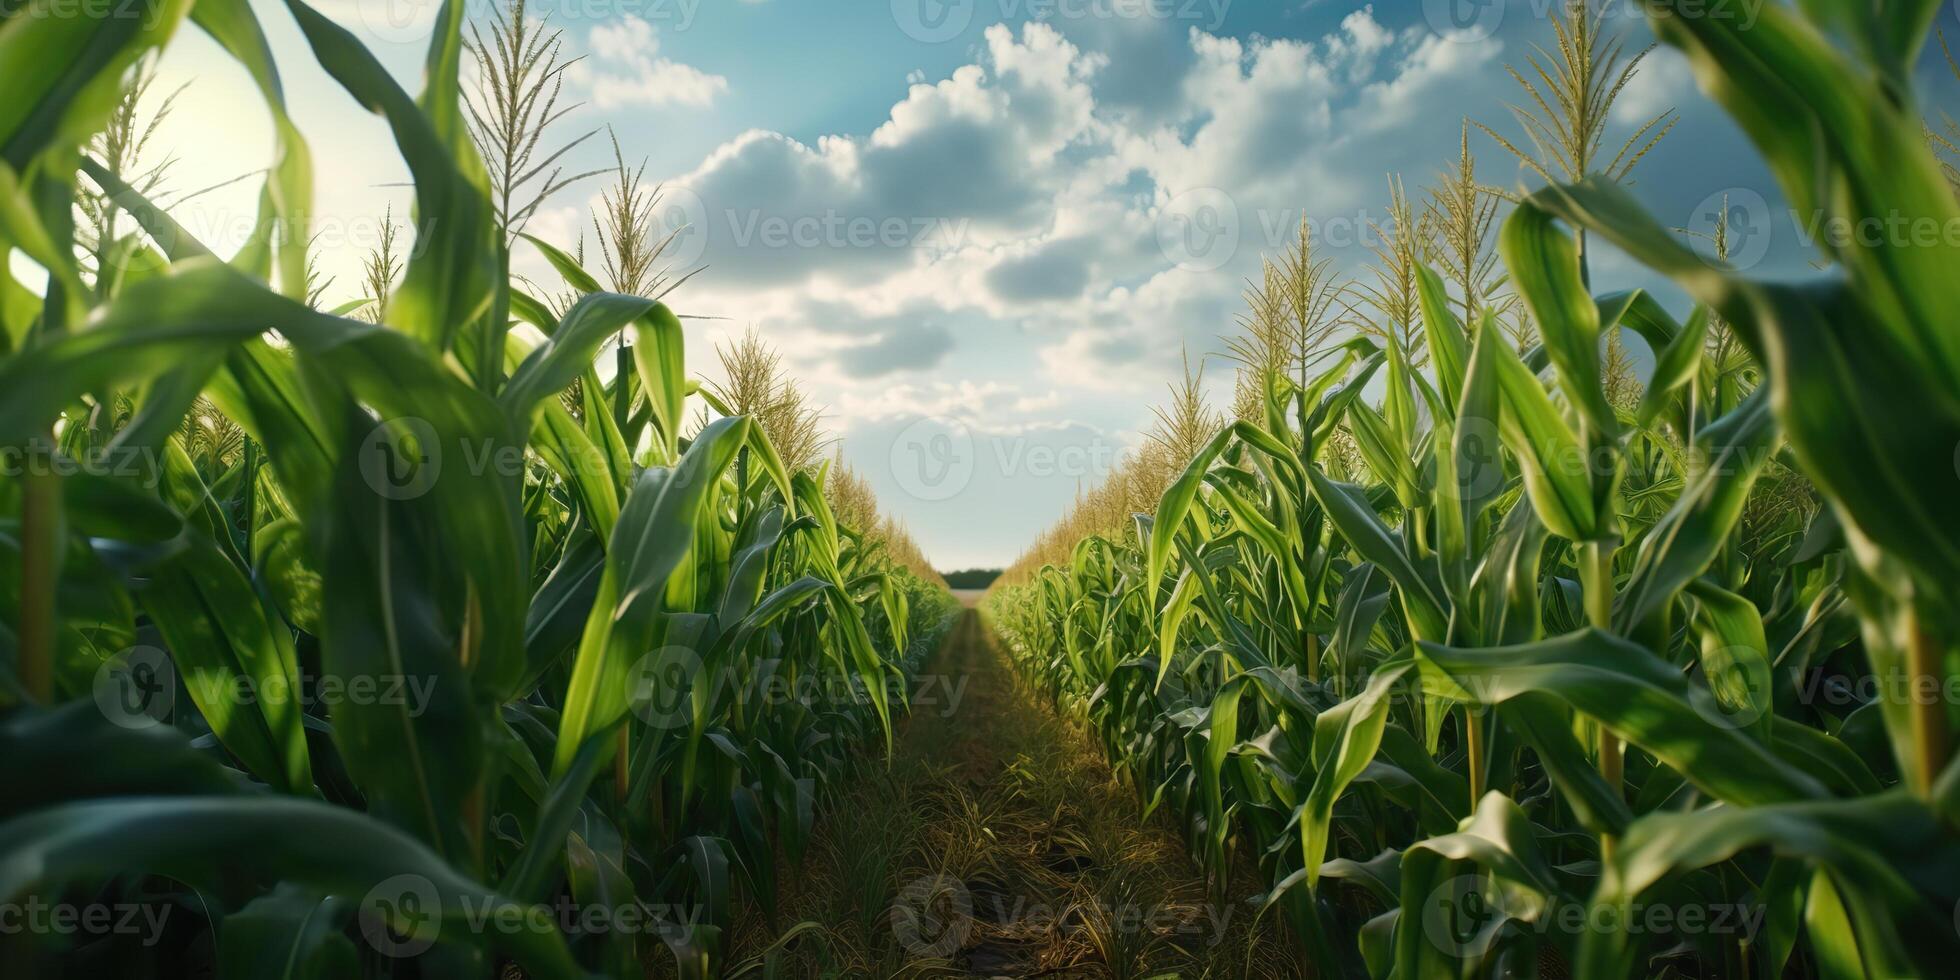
column 965, row 223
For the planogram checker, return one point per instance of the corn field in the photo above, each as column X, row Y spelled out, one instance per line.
column 379, row 640
column 410, row 593
column 1478, row 673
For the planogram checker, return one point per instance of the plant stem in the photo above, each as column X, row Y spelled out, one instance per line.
column 1931, row 740
column 1596, row 580
column 1585, row 266
column 251, row 507
column 1473, row 744
column 40, row 515
column 622, row 778
column 622, row 385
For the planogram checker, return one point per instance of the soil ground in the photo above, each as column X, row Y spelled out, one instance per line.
column 997, row 843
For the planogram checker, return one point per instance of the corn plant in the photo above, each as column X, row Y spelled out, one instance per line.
column 1548, row 665
column 361, row 634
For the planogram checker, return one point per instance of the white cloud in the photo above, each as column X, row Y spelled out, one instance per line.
column 626, row 69
column 1665, row 81
column 1362, row 29
column 1031, row 215
column 1030, row 189
column 971, row 162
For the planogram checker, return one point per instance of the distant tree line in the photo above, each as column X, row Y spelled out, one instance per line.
column 972, row 578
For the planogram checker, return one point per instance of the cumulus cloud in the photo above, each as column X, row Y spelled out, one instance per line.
column 968, row 402
column 966, row 161
column 1665, row 81
column 627, row 69
column 1017, row 221
column 1055, row 270
column 916, row 347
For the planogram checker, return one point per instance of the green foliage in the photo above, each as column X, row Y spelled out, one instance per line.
column 363, row 635
column 1551, row 655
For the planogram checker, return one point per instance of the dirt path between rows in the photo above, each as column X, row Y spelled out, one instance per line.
column 998, row 844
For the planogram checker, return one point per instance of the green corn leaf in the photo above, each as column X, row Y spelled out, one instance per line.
column 1399, row 406
column 575, row 275
column 558, row 611
column 1385, row 451
column 417, row 755
column 1345, row 738
column 568, row 352
column 1634, row 694
column 529, row 878
column 1869, row 421
column 1735, row 658
column 290, row 934
column 532, row 310
column 1348, row 509
column 604, row 434
column 1381, row 875
column 331, row 849
column 1544, row 722
column 1451, row 919
column 596, row 880
column 1469, row 464
column 1544, row 267
column 1222, row 734
column 22, row 228
column 1269, row 536
column 192, row 311
column 765, row 455
column 1729, row 453
column 658, row 351
column 1833, row 936
column 1176, row 506
column 238, row 666
column 1183, row 597
column 749, row 563
column 1557, row 470
column 72, row 752
column 1885, row 852
column 64, row 73
column 1675, row 365
column 586, row 469
column 1270, row 446
column 288, row 193
column 1325, row 400
column 1448, row 344
column 655, row 532
column 450, row 279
